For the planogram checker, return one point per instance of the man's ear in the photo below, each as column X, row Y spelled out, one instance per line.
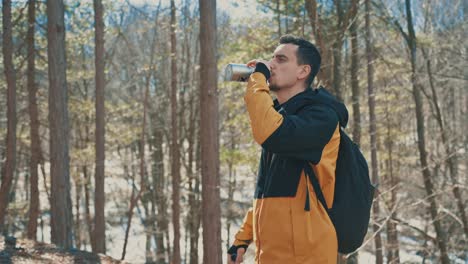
column 304, row 71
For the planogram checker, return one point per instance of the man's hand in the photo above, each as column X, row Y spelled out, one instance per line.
column 252, row 63
column 236, row 258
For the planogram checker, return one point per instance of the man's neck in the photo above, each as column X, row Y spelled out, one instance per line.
column 283, row 95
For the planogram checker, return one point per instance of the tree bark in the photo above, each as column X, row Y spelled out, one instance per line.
column 278, row 17
column 134, row 198
column 61, row 208
column 465, row 73
column 175, row 159
column 159, row 183
column 231, row 181
column 36, row 152
column 373, row 132
column 393, row 255
column 337, row 47
column 209, row 135
column 194, row 203
column 429, row 186
column 10, row 74
column 84, row 142
column 89, row 219
column 99, row 176
column 78, row 238
column 324, row 76
column 356, row 94
column 286, row 24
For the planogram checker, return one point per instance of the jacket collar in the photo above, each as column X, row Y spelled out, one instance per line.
column 310, row 96
column 294, row 103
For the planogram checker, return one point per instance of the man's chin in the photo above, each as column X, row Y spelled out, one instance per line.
column 274, row 88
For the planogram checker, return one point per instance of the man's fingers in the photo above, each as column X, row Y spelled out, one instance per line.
column 230, row 261
column 252, row 63
column 240, row 255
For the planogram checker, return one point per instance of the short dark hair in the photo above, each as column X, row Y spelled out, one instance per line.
column 307, row 53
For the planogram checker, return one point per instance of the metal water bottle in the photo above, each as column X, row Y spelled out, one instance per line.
column 236, row 72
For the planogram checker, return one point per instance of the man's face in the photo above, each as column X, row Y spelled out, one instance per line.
column 285, row 70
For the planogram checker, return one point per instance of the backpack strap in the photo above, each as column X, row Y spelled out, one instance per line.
column 307, row 201
column 318, row 191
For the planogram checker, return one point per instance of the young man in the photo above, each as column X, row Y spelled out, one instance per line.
column 300, row 128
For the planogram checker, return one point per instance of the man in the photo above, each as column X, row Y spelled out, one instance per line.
column 300, row 128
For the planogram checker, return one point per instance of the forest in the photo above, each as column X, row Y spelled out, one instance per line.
column 119, row 136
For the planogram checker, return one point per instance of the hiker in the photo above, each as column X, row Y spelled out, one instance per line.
column 287, row 223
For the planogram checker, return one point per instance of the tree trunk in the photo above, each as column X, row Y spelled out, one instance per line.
column 146, row 197
column 278, row 17
column 325, row 73
column 356, row 94
column 209, row 135
column 175, row 160
column 450, row 158
column 61, row 208
column 231, row 182
column 85, row 140
column 197, row 206
column 10, row 74
column 158, row 186
column 465, row 73
column 337, row 57
column 373, row 132
column 147, row 222
column 133, row 200
column 411, row 41
column 142, row 167
column 36, row 152
column 191, row 179
column 193, row 228
column 99, row 176
column 286, row 24
column 78, row 237
column 392, row 248
column 89, row 220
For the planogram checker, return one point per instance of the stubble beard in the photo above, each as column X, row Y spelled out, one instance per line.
column 274, row 87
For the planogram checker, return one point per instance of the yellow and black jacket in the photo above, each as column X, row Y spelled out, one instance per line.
column 303, row 129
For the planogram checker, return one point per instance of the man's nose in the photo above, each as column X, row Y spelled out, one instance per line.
column 272, row 63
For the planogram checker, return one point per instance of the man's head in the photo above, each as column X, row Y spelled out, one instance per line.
column 294, row 61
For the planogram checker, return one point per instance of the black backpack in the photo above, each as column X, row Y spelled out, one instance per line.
column 354, row 193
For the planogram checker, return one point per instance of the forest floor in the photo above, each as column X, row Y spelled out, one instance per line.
column 29, row 251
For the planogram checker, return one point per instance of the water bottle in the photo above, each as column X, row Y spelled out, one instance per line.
column 236, row 72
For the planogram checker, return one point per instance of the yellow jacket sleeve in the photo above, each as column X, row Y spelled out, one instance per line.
column 245, row 234
column 264, row 119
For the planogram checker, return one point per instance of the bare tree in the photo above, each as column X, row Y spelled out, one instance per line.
column 175, row 156
column 345, row 12
column 343, row 18
column 158, row 186
column 392, row 247
column 451, row 159
column 10, row 74
column 99, row 195
column 61, row 206
column 161, row 226
column 373, row 132
column 465, row 73
column 410, row 39
column 356, row 94
column 36, row 152
column 142, row 167
column 209, row 135
column 325, row 73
